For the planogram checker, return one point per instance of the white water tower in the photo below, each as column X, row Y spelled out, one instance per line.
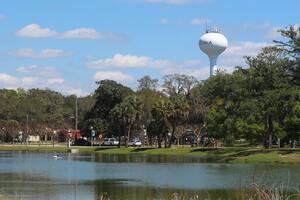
column 213, row 43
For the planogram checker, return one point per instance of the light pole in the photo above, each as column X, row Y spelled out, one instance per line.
column 26, row 129
column 92, row 135
column 76, row 113
column 3, row 129
column 54, row 133
column 69, row 133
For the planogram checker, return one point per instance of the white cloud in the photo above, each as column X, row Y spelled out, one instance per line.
column 45, row 53
column 112, row 75
column 35, row 31
column 54, row 81
column 234, row 55
column 187, row 67
column 127, row 61
column 227, row 61
column 76, row 91
column 246, row 48
column 37, row 70
column 199, row 73
column 163, row 66
column 82, row 33
column 8, row 80
column 26, row 69
column 273, row 33
column 266, row 28
column 176, row 2
column 28, row 81
column 90, row 33
column 198, row 21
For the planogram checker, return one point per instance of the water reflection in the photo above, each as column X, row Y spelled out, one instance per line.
column 87, row 176
column 141, row 158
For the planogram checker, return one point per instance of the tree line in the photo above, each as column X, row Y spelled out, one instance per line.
column 38, row 112
column 259, row 104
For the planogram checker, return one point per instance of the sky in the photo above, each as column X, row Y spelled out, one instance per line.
column 68, row 45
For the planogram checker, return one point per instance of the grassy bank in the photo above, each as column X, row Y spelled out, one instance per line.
column 24, row 148
column 229, row 154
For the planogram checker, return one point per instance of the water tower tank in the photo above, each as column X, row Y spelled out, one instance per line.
column 213, row 43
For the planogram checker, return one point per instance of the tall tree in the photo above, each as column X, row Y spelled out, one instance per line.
column 108, row 94
column 174, row 112
column 177, row 84
column 290, row 47
column 146, row 83
column 128, row 113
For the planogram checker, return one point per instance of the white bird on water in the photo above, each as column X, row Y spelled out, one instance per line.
column 57, row 156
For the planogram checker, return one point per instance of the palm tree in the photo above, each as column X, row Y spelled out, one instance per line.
column 127, row 114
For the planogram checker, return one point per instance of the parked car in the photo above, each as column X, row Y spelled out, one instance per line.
column 135, row 143
column 110, row 142
column 81, row 142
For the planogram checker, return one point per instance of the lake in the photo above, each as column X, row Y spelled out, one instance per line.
column 39, row 176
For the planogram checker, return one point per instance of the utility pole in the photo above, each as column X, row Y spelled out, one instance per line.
column 76, row 113
column 26, row 129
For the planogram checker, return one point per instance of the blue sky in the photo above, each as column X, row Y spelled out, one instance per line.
column 67, row 45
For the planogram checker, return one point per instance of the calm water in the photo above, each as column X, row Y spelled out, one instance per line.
column 135, row 177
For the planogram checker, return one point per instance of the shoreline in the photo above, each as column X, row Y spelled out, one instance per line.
column 222, row 154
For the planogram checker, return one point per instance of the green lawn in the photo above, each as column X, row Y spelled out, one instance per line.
column 25, row 148
column 228, row 154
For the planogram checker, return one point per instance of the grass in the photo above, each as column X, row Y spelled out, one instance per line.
column 256, row 192
column 6, row 199
column 23, row 148
column 228, row 154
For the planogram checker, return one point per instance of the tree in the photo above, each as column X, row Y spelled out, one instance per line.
column 173, row 112
column 128, row 113
column 291, row 51
column 197, row 112
column 176, row 84
column 12, row 128
column 267, row 81
column 158, row 129
column 292, row 123
column 146, row 83
column 108, row 94
column 99, row 126
column 149, row 97
column 2, row 129
column 162, row 111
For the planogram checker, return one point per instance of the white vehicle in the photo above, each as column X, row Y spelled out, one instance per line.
column 135, row 143
column 110, row 142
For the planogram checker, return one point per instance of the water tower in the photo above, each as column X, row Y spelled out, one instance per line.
column 213, row 43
